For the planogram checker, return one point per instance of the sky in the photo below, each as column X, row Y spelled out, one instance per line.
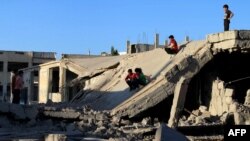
column 80, row 26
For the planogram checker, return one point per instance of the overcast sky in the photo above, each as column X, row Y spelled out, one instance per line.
column 76, row 26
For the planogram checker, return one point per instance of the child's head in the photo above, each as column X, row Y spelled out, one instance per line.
column 225, row 7
column 130, row 71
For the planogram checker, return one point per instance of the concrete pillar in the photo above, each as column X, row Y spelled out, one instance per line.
column 178, row 101
column 11, row 93
column 128, row 47
column 5, row 80
column 166, row 43
column 62, row 83
column 30, row 86
column 156, row 40
column 186, row 39
column 44, row 83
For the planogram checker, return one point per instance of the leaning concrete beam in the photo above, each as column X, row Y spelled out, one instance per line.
column 178, row 101
column 223, row 36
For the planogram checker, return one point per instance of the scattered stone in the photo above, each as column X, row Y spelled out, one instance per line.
column 146, row 121
column 203, row 109
column 125, row 122
column 101, row 116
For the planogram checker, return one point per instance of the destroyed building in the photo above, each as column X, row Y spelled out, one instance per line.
column 207, row 81
column 15, row 60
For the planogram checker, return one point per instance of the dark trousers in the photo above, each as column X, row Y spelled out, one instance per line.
column 226, row 24
column 16, row 96
column 138, row 82
column 130, row 84
column 170, row 51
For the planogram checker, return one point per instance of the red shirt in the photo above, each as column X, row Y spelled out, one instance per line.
column 175, row 46
column 130, row 76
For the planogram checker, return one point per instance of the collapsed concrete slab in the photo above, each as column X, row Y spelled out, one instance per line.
column 186, row 63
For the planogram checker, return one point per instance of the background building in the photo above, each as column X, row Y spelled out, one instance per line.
column 15, row 60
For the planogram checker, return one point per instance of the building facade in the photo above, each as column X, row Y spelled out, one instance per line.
column 16, row 60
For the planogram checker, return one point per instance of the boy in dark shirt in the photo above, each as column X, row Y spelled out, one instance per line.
column 227, row 16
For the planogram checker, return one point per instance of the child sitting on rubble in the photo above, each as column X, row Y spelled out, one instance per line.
column 130, row 79
column 140, row 78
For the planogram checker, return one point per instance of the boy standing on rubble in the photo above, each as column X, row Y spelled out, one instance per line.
column 227, row 17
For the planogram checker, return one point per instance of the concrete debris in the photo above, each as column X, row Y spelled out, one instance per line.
column 247, row 98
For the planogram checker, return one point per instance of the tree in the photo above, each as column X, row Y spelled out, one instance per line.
column 114, row 51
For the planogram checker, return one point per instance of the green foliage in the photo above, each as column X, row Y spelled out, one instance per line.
column 114, row 51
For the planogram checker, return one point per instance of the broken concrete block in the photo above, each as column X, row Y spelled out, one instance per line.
column 18, row 111
column 223, row 36
column 61, row 114
column 221, row 85
column 31, row 112
column 146, row 121
column 116, row 120
column 228, row 100
column 203, row 108
column 244, row 34
column 238, row 119
column 55, row 137
column 247, row 98
column 125, row 122
column 233, row 107
column 101, row 116
column 229, row 92
column 4, row 107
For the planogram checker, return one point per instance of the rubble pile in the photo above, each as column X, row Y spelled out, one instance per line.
column 200, row 117
column 74, row 123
